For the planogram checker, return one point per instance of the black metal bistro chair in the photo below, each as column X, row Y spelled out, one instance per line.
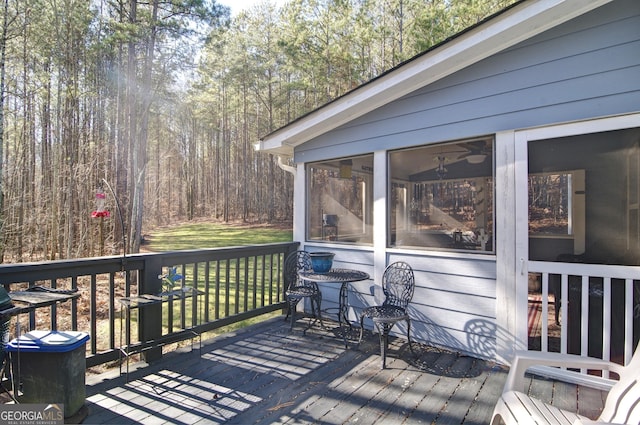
column 398, row 284
column 299, row 289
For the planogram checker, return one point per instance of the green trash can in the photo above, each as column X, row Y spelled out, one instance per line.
column 49, row 367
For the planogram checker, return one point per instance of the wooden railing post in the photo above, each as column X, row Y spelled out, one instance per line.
column 150, row 326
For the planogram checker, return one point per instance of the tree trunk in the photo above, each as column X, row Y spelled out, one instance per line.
column 3, row 71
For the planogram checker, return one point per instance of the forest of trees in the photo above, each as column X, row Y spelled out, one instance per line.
column 164, row 99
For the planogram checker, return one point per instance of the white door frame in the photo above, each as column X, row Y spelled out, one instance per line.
column 512, row 223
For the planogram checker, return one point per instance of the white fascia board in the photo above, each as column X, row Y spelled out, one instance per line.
column 508, row 29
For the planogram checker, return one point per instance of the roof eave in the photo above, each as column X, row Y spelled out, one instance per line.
column 517, row 24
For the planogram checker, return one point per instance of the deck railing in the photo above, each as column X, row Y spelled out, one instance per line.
column 596, row 305
column 234, row 284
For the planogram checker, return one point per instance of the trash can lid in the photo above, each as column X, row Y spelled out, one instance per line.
column 48, row 341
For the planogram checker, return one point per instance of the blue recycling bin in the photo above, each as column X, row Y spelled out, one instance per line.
column 50, row 367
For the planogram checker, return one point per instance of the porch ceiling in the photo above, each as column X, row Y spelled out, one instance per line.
column 506, row 29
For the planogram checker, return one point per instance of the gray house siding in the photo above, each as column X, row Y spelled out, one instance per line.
column 586, row 68
column 453, row 305
column 454, row 302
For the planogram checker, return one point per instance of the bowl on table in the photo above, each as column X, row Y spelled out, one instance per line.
column 321, row 261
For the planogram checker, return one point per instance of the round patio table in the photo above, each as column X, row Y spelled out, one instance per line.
column 342, row 277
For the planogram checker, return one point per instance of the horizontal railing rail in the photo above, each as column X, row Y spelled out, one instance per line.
column 233, row 284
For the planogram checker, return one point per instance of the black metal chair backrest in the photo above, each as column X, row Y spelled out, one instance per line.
column 398, row 284
column 295, row 262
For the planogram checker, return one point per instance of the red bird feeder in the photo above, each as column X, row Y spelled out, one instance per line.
column 101, row 213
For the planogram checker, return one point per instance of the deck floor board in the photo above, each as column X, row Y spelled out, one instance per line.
column 268, row 374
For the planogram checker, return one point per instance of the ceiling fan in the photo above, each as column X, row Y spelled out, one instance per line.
column 476, row 151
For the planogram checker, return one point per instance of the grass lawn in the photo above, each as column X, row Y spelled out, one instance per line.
column 214, row 235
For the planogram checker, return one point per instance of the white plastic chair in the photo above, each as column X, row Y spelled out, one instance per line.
column 622, row 405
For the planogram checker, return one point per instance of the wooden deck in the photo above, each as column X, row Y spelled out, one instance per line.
column 267, row 374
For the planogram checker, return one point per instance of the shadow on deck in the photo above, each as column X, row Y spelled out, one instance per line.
column 267, row 374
